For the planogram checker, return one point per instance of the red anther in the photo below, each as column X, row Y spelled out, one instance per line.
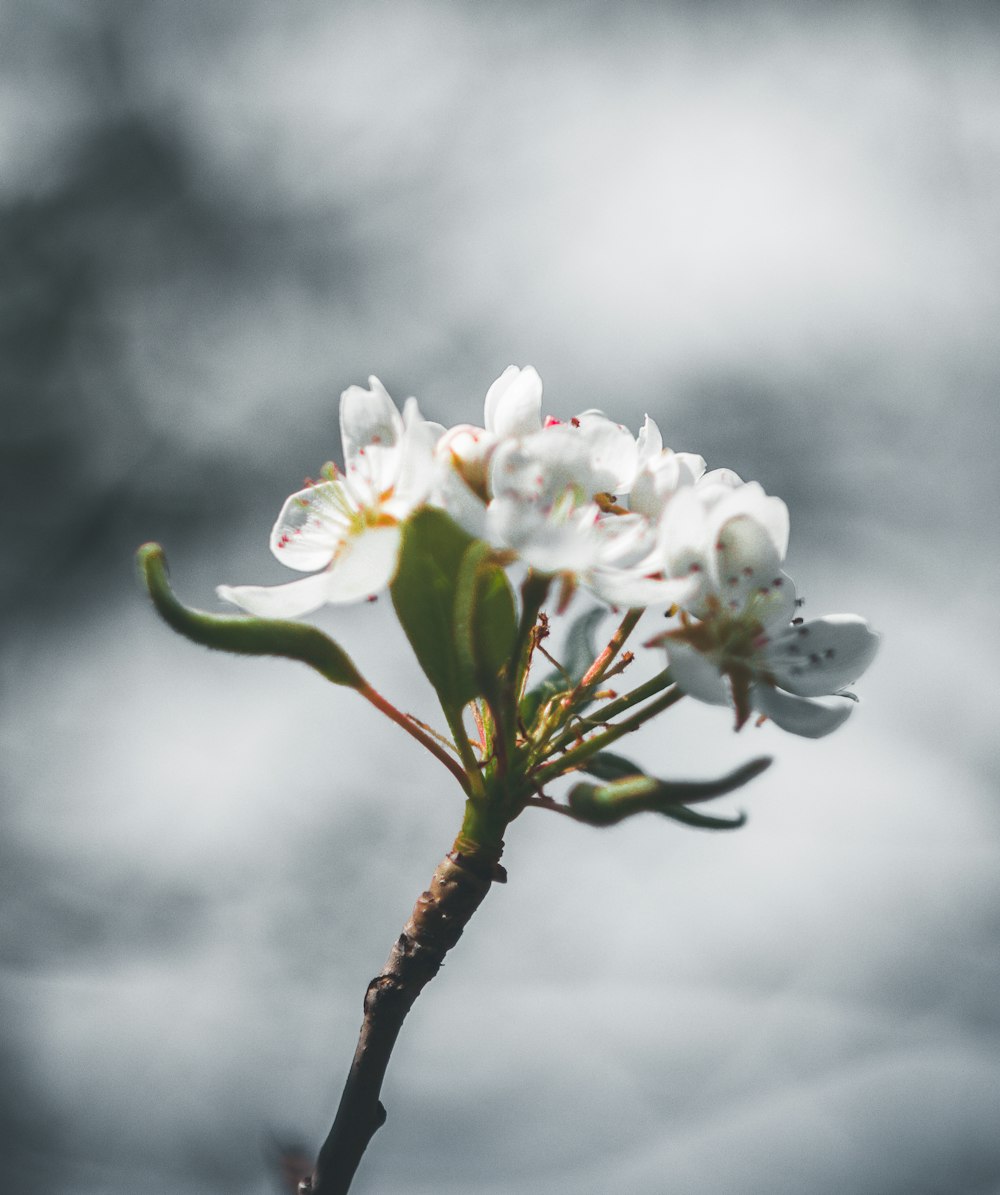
column 551, row 421
column 372, row 597
column 575, row 422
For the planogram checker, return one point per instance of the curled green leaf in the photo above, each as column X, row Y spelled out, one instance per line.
column 704, row 821
column 242, row 634
column 628, row 791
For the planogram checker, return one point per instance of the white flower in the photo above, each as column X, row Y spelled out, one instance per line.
column 552, row 491
column 512, row 408
column 349, row 525
column 554, row 503
column 737, row 643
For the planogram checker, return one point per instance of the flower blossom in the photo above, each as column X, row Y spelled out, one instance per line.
column 738, row 643
column 349, row 525
column 551, row 491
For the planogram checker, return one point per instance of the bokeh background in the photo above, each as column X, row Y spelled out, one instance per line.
column 772, row 226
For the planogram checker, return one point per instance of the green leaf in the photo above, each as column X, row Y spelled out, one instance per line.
column 605, row 765
column 243, row 634
column 704, row 821
column 628, row 791
column 424, row 594
column 485, row 624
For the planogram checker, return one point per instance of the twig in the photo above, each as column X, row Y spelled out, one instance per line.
column 457, row 888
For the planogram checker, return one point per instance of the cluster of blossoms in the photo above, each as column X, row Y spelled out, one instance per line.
column 592, row 505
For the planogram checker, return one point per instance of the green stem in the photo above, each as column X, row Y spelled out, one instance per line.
column 414, row 730
column 600, row 716
column 472, row 774
column 573, row 758
column 592, row 677
column 534, row 590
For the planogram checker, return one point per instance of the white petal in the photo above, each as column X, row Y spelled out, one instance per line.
column 823, row 655
column 543, row 467
column 562, row 540
column 744, row 558
column 696, row 675
column 612, row 453
column 799, row 715
column 649, row 442
column 467, row 450
column 662, row 477
column 684, row 534
column 372, row 471
column 514, row 402
column 416, row 463
column 312, row 525
column 366, row 565
column 278, row 601
column 721, row 477
column 628, row 541
column 692, row 466
column 465, row 507
column 750, row 501
column 632, row 588
column 368, row 417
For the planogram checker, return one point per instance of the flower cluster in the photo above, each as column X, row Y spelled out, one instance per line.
column 589, row 504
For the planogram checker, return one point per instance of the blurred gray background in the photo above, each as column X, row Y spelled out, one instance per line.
column 775, row 228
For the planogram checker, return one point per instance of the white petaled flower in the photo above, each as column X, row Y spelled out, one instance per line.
column 552, row 491
column 512, row 408
column 737, row 643
column 554, row 503
column 349, row 525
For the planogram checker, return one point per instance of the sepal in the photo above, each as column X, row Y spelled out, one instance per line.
column 242, row 634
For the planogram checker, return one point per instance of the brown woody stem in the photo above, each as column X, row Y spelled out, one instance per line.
column 456, row 890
